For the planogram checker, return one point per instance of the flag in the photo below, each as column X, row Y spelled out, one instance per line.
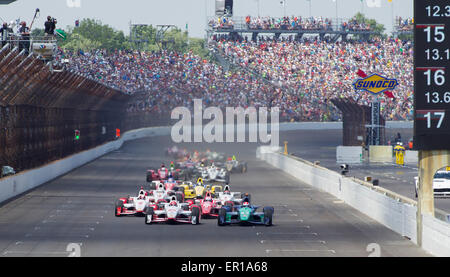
column 60, row 33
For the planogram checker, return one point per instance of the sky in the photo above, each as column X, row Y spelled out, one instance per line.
column 119, row 13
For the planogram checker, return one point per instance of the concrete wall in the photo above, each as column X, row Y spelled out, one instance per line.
column 380, row 153
column 349, row 154
column 390, row 209
column 412, row 157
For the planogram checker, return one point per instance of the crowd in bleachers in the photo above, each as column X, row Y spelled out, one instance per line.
column 301, row 77
column 172, row 79
column 289, row 23
column 321, row 70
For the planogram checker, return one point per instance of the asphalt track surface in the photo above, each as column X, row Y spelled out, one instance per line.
column 320, row 145
column 79, row 208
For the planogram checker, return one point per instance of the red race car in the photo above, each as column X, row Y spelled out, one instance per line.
column 210, row 206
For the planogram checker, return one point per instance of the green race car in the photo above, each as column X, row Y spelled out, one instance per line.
column 245, row 214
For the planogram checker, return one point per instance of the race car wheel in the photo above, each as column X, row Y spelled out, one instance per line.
column 268, row 213
column 227, row 178
column 221, row 217
column 149, row 215
column 149, row 178
column 195, row 215
column 118, row 208
column 180, row 196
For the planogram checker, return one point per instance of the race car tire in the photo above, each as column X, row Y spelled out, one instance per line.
column 228, row 206
column 221, row 217
column 149, row 215
column 195, row 215
column 268, row 214
column 227, row 178
column 119, row 205
column 180, row 196
column 149, row 178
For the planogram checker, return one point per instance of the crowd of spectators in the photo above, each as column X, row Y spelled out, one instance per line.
column 300, row 77
column 404, row 24
column 318, row 71
column 289, row 23
column 171, row 79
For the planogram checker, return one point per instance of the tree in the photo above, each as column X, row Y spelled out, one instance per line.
column 95, row 33
column 375, row 26
column 79, row 42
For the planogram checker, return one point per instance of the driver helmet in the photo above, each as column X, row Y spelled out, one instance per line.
column 163, row 165
column 173, row 203
column 245, row 204
column 209, row 199
column 227, row 192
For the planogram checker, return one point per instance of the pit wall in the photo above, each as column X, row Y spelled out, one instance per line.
column 395, row 211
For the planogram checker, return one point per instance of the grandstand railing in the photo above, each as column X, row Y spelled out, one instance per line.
column 43, row 47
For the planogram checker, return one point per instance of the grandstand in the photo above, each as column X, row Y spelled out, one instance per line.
column 296, row 25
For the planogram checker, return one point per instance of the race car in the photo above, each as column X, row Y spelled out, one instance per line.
column 165, row 191
column 198, row 190
column 173, row 212
column 209, row 205
column 230, row 198
column 163, row 173
column 441, row 183
column 245, row 214
column 234, row 166
column 132, row 205
column 215, row 174
column 160, row 174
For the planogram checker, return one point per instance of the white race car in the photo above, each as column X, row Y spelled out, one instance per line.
column 230, row 198
column 173, row 212
column 132, row 205
column 215, row 174
column 164, row 191
column 441, row 183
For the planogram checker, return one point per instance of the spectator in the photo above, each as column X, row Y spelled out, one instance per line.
column 4, row 34
column 24, row 43
column 50, row 26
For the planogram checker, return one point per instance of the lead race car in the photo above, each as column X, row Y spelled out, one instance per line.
column 173, row 212
column 245, row 214
column 132, row 205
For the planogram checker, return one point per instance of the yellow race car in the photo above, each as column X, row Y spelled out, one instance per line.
column 199, row 190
